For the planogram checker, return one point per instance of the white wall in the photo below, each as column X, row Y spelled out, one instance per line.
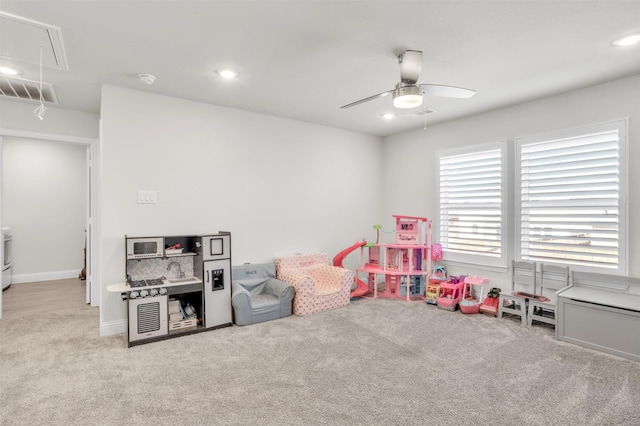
column 410, row 157
column 18, row 115
column 44, row 203
column 212, row 166
column 279, row 186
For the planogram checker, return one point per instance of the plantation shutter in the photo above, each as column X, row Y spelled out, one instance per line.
column 569, row 199
column 471, row 206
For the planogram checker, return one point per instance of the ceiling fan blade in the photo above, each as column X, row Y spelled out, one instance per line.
column 370, row 98
column 410, row 66
column 447, row 91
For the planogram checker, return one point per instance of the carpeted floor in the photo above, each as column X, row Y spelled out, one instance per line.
column 376, row 362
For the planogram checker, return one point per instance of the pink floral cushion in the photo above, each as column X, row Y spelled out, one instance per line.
column 319, row 286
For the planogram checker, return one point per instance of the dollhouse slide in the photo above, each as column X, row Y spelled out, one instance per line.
column 361, row 287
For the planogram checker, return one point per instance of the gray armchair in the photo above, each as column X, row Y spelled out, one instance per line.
column 257, row 296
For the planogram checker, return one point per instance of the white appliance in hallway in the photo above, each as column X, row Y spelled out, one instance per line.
column 8, row 259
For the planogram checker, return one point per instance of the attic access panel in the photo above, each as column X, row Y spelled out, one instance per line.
column 21, row 38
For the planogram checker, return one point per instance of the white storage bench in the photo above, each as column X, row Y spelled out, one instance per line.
column 601, row 312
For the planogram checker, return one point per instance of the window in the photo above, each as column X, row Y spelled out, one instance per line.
column 472, row 205
column 571, row 197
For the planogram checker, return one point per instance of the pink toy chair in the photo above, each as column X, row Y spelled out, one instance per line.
column 319, row 286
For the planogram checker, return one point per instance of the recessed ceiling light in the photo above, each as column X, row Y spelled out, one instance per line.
column 227, row 73
column 8, row 70
column 388, row 116
column 627, row 40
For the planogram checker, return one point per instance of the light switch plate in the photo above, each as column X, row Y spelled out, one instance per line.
column 147, row 197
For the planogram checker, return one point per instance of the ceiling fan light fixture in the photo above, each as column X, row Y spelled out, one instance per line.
column 407, row 96
column 407, row 101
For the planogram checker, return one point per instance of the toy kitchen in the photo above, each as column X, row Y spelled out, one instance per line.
column 176, row 285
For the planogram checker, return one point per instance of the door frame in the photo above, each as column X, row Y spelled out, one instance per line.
column 92, row 224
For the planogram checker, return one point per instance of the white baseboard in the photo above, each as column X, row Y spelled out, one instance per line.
column 45, row 276
column 112, row 328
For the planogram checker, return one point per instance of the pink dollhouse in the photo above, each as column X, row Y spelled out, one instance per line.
column 405, row 265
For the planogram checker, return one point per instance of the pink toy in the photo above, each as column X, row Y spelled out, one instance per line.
column 404, row 264
column 409, row 230
column 450, row 295
column 436, row 252
column 361, row 287
column 468, row 305
column 438, row 275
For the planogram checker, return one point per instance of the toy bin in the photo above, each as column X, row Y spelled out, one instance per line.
column 469, row 306
column 450, row 295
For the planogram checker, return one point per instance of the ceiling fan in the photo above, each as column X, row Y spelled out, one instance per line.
column 407, row 93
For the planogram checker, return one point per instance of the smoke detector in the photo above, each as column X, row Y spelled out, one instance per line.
column 147, row 78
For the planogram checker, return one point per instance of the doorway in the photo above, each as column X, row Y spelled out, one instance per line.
column 88, row 148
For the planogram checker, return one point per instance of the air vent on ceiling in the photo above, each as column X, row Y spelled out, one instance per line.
column 421, row 113
column 17, row 88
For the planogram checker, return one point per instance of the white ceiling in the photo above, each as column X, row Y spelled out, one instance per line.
column 304, row 59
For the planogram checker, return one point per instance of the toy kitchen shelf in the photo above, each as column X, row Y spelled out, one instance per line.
column 189, row 246
column 405, row 265
column 179, row 254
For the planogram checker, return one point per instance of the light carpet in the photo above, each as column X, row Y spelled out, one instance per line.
column 381, row 362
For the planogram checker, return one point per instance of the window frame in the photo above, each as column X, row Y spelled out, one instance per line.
column 478, row 261
column 621, row 126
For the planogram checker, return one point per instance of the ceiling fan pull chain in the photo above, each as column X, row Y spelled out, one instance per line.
column 41, row 109
column 425, row 121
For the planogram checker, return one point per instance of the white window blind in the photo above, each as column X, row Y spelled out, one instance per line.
column 570, row 198
column 472, row 205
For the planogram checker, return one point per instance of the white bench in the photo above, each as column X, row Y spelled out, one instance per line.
column 601, row 312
